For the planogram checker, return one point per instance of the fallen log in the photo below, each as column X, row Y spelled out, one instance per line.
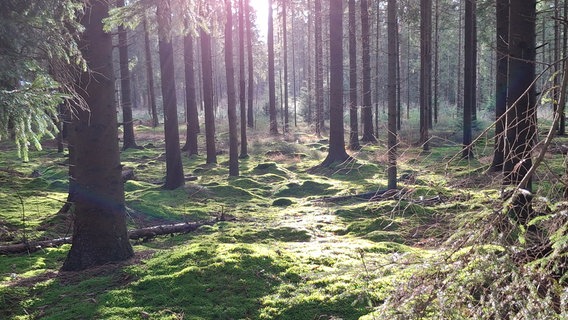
column 136, row 234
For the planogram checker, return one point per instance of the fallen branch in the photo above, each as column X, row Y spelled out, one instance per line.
column 136, row 234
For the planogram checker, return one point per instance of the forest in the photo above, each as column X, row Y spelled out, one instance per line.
column 283, row 159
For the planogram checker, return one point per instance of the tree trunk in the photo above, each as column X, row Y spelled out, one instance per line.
column 353, row 114
column 150, row 76
column 392, row 84
column 520, row 126
column 99, row 230
column 250, row 118
column 468, row 81
column 207, row 76
column 285, row 49
column 425, row 71
column 502, row 56
column 242, row 83
column 318, row 68
column 336, row 152
column 174, row 167
column 125, row 98
column 271, row 75
column 367, row 107
column 191, row 113
column 231, row 94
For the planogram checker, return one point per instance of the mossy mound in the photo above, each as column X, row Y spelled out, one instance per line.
column 248, row 183
column 282, row 202
column 306, row 188
column 231, row 192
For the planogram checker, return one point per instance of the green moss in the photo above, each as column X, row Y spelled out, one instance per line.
column 306, row 188
column 282, row 202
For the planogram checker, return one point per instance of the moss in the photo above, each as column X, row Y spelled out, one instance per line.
column 282, row 202
column 306, row 188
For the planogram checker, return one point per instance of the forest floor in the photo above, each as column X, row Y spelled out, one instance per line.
column 298, row 244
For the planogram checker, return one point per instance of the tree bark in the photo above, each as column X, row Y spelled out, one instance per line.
column 128, row 139
column 502, row 56
column 174, row 166
column 231, row 95
column 99, row 231
column 425, row 71
column 468, row 81
column 191, row 113
column 150, row 75
column 353, row 112
column 392, row 93
column 242, row 82
column 367, row 107
column 207, row 76
column 271, row 75
column 318, row 68
column 250, row 118
column 336, row 152
column 285, row 49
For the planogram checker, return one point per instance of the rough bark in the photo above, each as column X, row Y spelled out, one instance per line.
column 250, row 118
column 468, row 81
column 336, row 152
column 318, row 68
column 231, row 95
column 207, row 76
column 425, row 70
column 191, row 113
column 128, row 139
column 242, row 82
column 99, row 232
column 353, row 110
column 150, row 75
column 174, row 166
column 392, row 93
column 502, row 56
column 366, row 108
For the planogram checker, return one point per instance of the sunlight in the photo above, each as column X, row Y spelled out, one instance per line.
column 261, row 8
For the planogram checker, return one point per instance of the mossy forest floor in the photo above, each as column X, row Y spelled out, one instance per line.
column 288, row 255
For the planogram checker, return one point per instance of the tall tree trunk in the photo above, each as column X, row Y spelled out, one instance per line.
column 250, row 118
column 207, row 76
column 425, row 70
column 318, row 67
column 174, row 167
column 150, row 75
column 468, row 81
column 474, row 61
column 242, row 82
column 367, row 108
column 99, row 229
column 294, row 72
column 392, row 101
column 502, row 57
column 520, row 127
column 128, row 140
column 353, row 114
column 231, row 94
column 336, row 153
column 271, row 74
column 436, row 62
column 285, row 49
column 191, row 114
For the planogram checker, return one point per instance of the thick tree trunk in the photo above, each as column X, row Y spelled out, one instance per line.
column 207, row 76
column 128, row 140
column 99, row 232
column 174, row 166
column 392, row 85
column 353, row 112
column 191, row 113
column 520, row 125
column 336, row 152
column 367, row 107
